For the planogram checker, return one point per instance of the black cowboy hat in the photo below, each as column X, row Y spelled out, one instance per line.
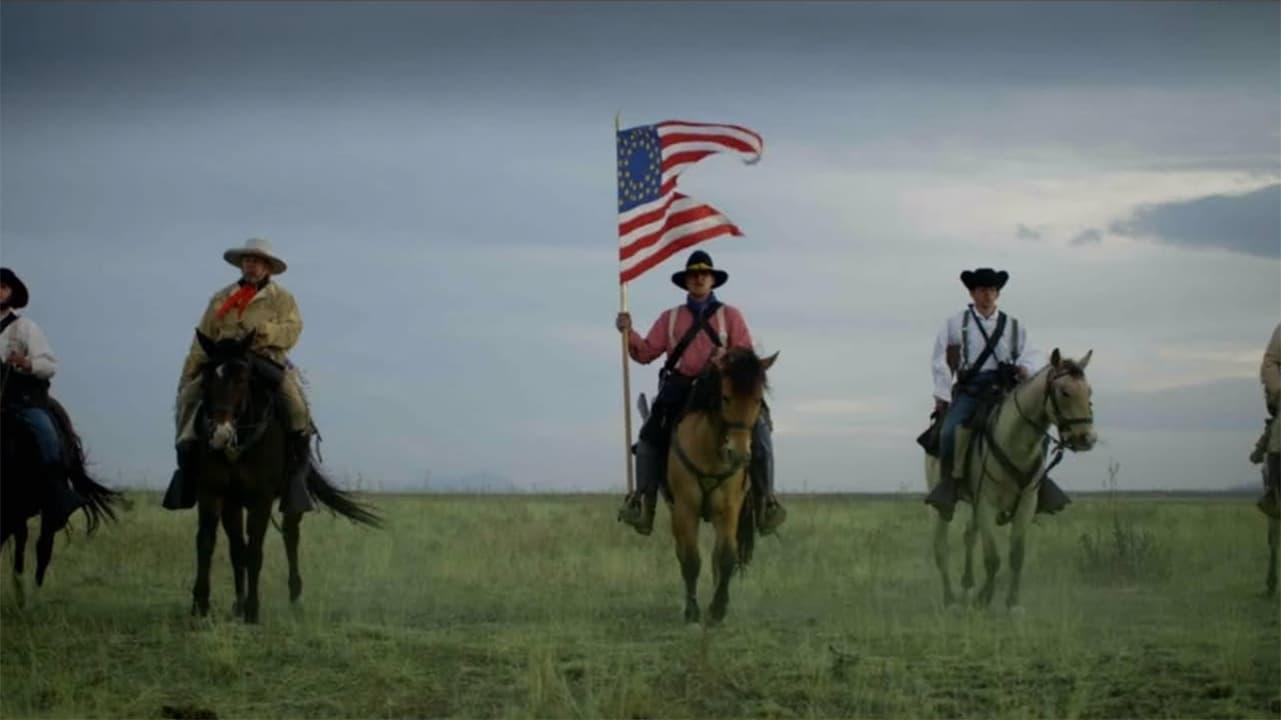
column 984, row 277
column 18, row 295
column 699, row 260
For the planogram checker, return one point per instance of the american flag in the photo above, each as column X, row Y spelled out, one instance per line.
column 655, row 221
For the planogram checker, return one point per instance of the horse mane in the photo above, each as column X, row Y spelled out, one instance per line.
column 745, row 371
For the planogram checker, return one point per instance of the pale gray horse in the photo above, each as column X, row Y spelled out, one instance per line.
column 1005, row 469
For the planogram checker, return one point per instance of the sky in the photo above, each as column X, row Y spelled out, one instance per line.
column 440, row 178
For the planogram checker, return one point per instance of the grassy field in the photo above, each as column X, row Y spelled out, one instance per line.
column 546, row 607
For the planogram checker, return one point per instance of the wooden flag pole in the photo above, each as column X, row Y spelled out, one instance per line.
column 627, row 381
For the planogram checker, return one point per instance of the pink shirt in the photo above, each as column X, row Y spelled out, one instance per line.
column 699, row 352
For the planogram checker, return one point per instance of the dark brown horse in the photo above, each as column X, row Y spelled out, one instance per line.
column 23, row 494
column 707, row 473
column 240, row 469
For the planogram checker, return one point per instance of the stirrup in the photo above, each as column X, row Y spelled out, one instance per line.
column 631, row 509
column 773, row 516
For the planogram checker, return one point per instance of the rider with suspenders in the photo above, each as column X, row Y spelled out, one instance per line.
column 987, row 350
column 28, row 365
column 691, row 335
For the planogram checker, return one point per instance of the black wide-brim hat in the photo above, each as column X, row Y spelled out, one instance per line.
column 18, row 295
column 699, row 260
column 984, row 277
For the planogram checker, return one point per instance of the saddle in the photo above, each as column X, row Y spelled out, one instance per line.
column 68, row 441
column 930, row 439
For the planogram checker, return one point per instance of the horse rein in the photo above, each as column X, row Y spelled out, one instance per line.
column 715, row 478
column 1057, row 419
column 235, row 448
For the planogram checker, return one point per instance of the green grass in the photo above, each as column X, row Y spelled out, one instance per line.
column 546, row 607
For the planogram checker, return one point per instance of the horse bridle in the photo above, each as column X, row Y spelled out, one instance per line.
column 715, row 478
column 1061, row 421
column 258, row 429
column 1058, row 420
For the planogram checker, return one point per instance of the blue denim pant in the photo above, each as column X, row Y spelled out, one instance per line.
column 41, row 426
column 964, row 402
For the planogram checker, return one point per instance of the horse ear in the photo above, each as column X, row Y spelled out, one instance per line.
column 768, row 362
column 1086, row 360
column 246, row 341
column 206, row 343
column 1055, row 358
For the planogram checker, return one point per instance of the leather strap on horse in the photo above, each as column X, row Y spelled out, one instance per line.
column 715, row 478
column 1025, row 477
column 700, row 323
column 1022, row 477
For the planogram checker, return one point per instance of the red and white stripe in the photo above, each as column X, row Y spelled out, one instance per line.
column 650, row 233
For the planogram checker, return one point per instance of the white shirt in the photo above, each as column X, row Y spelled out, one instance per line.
column 1030, row 358
column 24, row 336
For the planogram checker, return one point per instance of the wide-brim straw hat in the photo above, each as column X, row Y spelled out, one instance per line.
column 259, row 247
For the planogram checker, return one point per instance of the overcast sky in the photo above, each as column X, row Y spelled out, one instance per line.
column 440, row 179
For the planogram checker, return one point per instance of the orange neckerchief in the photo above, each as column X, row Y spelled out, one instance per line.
column 239, row 300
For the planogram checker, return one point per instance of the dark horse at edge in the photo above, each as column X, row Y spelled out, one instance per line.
column 241, row 467
column 25, row 491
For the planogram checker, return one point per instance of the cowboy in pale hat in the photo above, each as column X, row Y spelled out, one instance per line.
column 28, row 366
column 676, row 334
column 984, row 350
column 258, row 305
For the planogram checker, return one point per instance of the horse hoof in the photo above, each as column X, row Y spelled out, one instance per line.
column 716, row 614
column 692, row 614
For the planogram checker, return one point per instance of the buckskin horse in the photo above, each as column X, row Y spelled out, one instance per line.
column 1004, row 469
column 23, row 493
column 707, row 473
column 240, row 469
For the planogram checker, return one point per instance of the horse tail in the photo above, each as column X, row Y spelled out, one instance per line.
column 100, row 500
column 746, row 530
column 340, row 501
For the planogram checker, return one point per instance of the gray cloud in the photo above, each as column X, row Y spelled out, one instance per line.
column 1092, row 236
column 1249, row 223
column 1219, row 405
column 1026, row 233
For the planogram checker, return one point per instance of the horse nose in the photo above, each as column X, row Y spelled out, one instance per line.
column 223, row 435
column 1084, row 442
